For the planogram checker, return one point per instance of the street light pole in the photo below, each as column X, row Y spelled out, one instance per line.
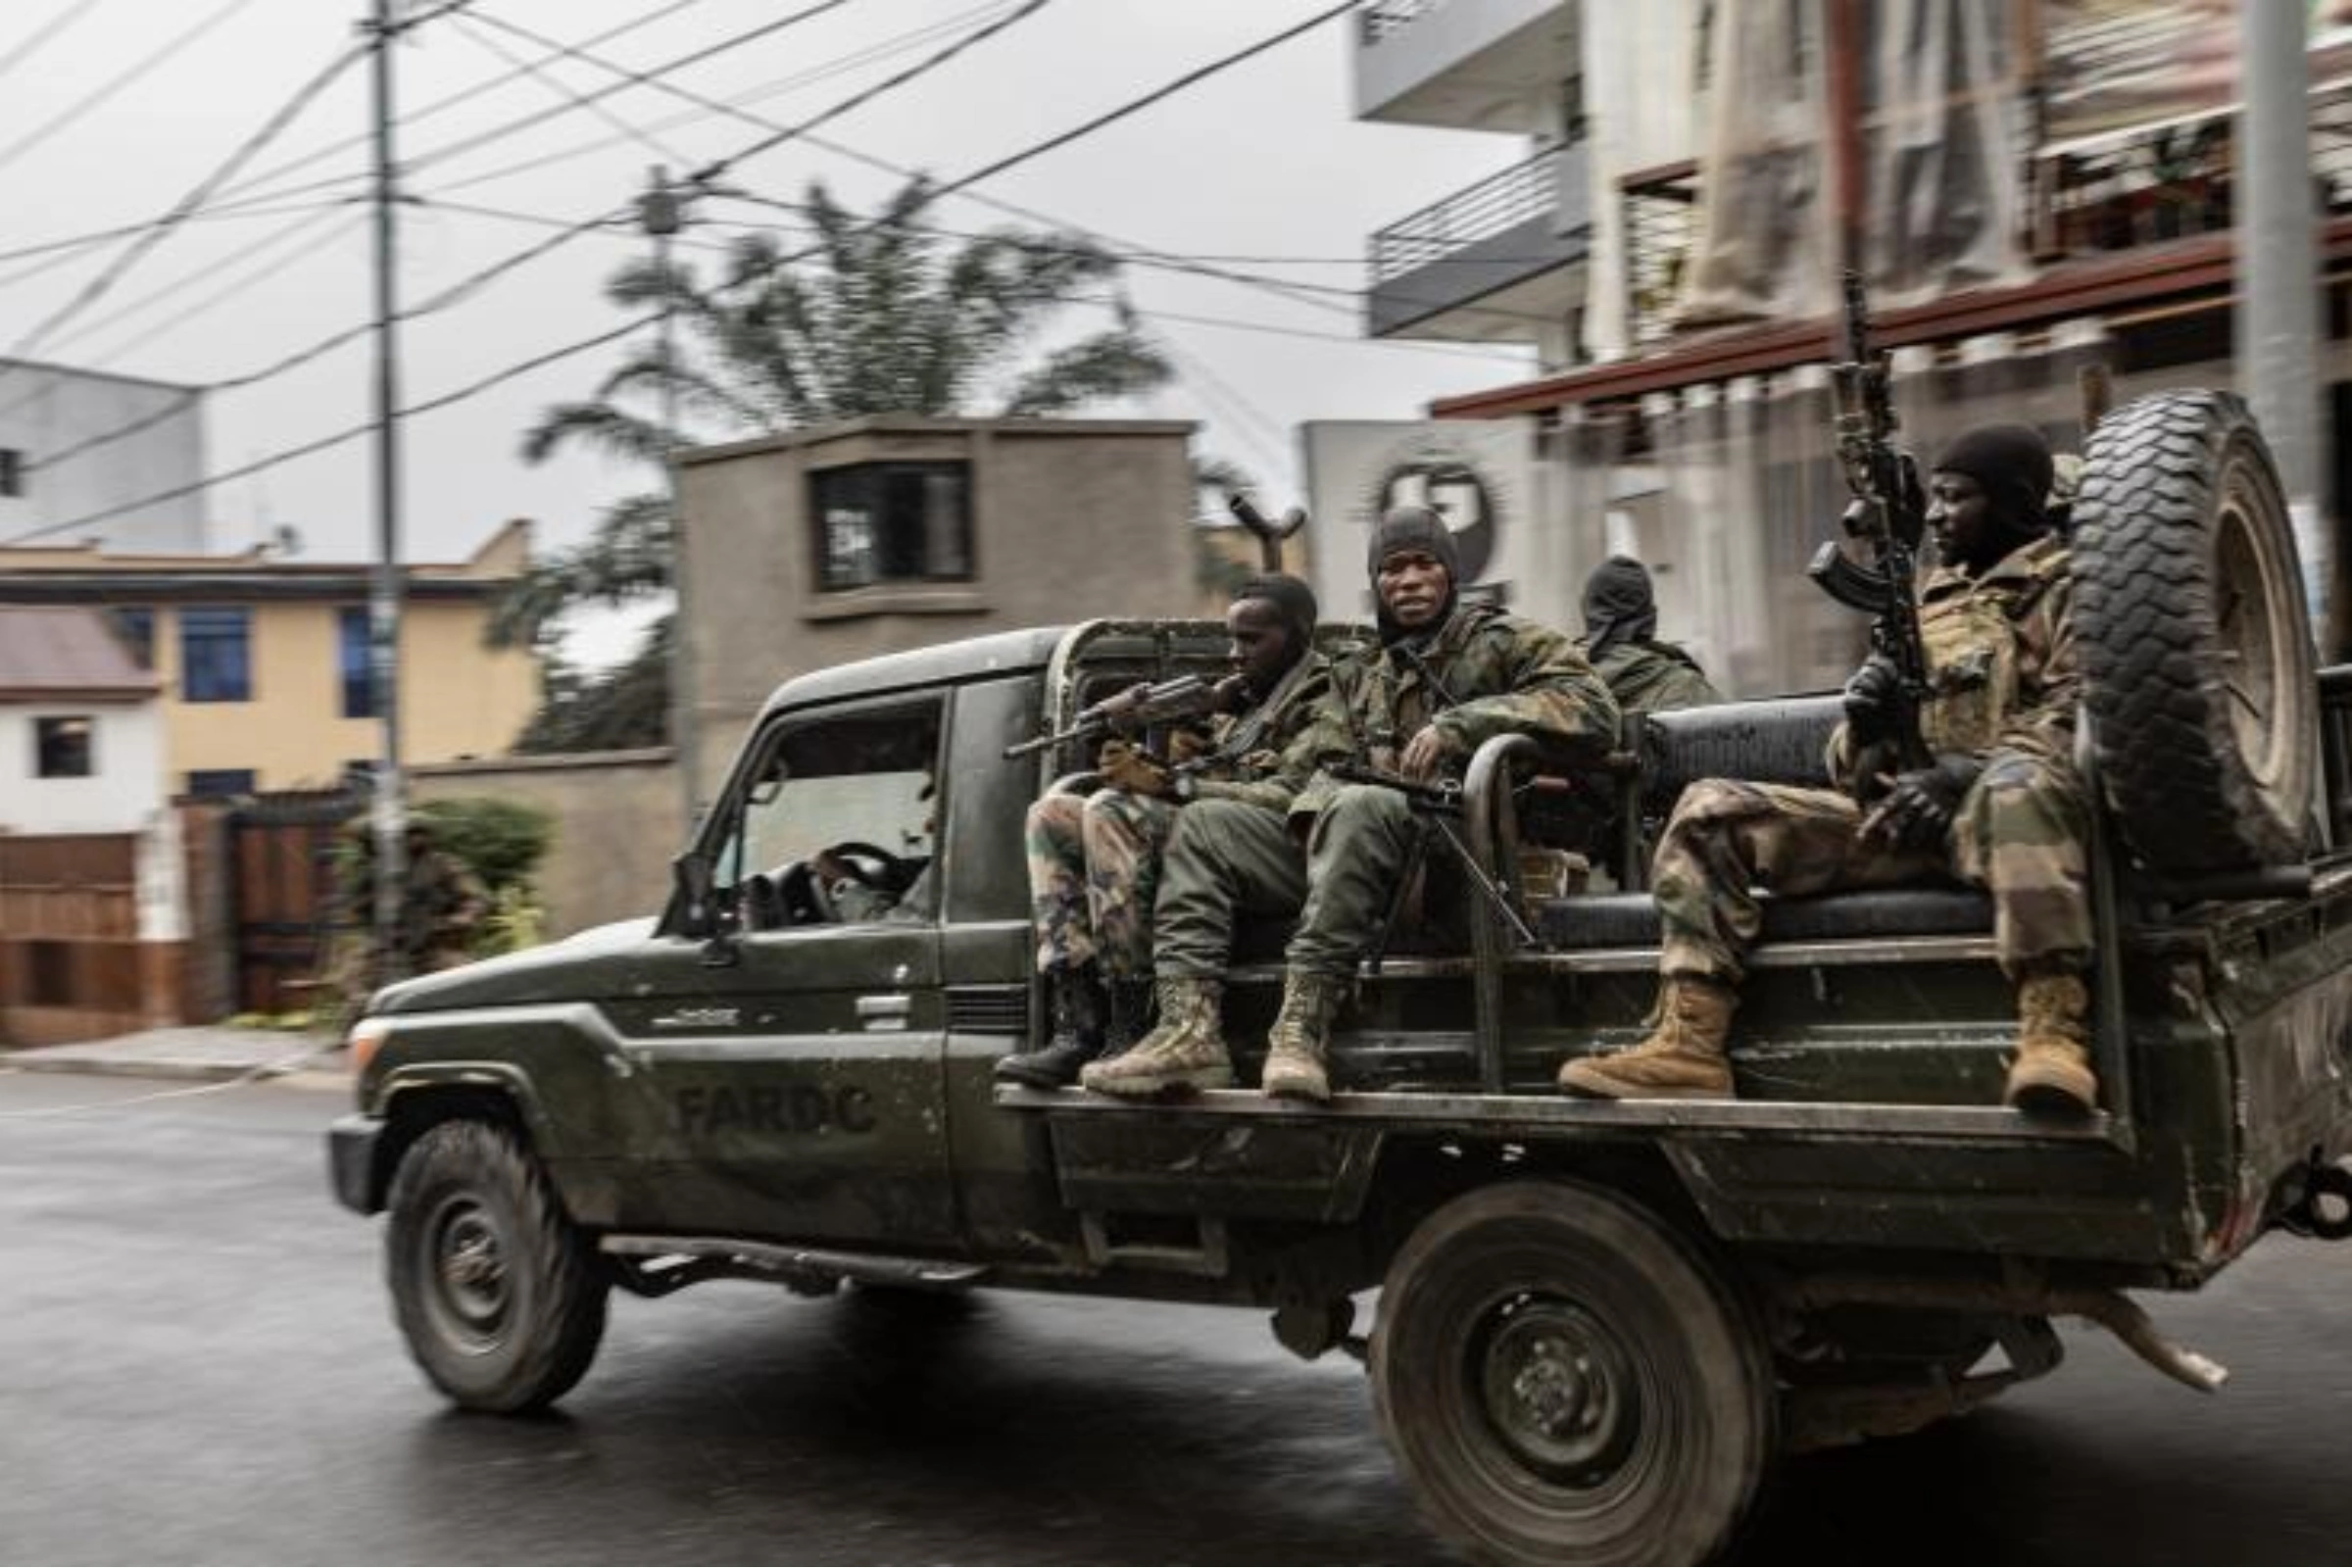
column 662, row 213
column 383, row 606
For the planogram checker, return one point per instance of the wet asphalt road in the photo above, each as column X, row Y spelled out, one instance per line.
column 198, row 1365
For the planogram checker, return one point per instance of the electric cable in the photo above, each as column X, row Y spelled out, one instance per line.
column 74, row 12
column 99, row 96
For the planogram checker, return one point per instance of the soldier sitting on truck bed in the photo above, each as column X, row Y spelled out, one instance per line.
column 1995, row 798
column 1094, row 859
column 1621, row 642
column 1446, row 677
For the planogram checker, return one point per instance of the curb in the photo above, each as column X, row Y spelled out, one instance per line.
column 292, row 1069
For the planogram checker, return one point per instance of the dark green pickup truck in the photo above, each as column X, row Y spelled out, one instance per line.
column 1597, row 1324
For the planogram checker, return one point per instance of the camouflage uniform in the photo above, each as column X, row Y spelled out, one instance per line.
column 1507, row 676
column 2001, row 659
column 1650, row 677
column 1094, row 861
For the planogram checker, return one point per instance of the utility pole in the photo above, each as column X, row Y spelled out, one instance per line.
column 661, row 211
column 383, row 607
column 2278, row 330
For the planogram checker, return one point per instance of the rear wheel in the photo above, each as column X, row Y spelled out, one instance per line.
column 1564, row 1379
column 500, row 1296
column 2195, row 637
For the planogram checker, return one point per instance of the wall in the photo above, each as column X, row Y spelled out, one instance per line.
column 614, row 827
column 459, row 698
column 45, row 409
column 1071, row 519
column 126, row 787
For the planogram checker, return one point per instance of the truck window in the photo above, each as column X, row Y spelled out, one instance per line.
column 850, row 802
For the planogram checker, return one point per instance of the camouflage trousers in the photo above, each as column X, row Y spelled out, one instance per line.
column 1228, row 858
column 1094, row 871
column 2018, row 834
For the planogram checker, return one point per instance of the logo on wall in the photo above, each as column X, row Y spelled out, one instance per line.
column 1479, row 475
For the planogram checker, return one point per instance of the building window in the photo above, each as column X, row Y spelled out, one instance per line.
column 49, row 974
column 135, row 625
column 61, row 747
column 215, row 655
column 12, row 471
column 354, row 660
column 210, row 783
column 880, row 522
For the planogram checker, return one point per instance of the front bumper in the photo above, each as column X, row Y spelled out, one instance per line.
column 351, row 1161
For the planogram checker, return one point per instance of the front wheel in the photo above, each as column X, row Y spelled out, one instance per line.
column 500, row 1296
column 1563, row 1379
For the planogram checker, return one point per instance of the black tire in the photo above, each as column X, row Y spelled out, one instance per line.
column 500, row 1296
column 1564, row 1379
column 2195, row 639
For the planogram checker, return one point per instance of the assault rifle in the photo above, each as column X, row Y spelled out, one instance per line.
column 1437, row 806
column 1887, row 514
column 1136, row 709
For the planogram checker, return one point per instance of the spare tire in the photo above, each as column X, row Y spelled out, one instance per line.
column 2194, row 636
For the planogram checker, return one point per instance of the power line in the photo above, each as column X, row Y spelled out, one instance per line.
column 637, row 324
column 462, row 95
column 90, row 292
column 59, row 252
column 706, row 107
column 66, row 18
column 525, row 123
column 475, row 281
column 539, row 73
column 100, row 95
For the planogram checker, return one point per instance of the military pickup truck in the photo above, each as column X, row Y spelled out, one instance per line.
column 1597, row 1324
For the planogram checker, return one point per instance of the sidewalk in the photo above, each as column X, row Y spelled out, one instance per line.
column 200, row 1052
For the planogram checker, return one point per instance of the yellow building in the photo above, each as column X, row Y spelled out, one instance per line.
column 264, row 662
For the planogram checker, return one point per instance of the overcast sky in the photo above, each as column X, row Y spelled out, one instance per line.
column 1261, row 162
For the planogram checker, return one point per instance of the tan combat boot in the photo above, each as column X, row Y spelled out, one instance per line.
column 1186, row 1052
column 1299, row 1042
column 2052, row 1076
column 1681, row 1060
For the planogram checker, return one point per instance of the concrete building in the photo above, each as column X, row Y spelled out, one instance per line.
column 92, row 923
column 886, row 534
column 74, row 444
column 263, row 662
column 2026, row 189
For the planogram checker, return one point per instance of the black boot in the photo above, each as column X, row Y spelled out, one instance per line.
column 1130, row 1015
column 1078, row 1008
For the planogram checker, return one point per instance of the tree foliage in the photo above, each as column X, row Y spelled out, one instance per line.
column 882, row 314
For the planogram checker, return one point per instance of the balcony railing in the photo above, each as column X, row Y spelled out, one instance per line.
column 1518, row 195
column 1382, row 18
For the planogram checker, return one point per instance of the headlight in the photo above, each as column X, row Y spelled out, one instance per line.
column 364, row 1037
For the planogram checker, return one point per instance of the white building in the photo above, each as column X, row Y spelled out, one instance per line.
column 93, row 923
column 77, row 443
column 2029, row 191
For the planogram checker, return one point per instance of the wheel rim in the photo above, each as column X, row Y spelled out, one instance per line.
column 1558, row 1389
column 2256, row 662
column 471, row 1292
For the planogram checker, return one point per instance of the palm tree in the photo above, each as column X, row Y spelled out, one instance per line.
column 874, row 315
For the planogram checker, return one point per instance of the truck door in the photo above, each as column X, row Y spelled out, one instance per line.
column 795, row 1067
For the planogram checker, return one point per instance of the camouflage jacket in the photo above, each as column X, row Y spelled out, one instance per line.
column 1266, row 755
column 2002, row 669
column 1505, row 676
column 1650, row 677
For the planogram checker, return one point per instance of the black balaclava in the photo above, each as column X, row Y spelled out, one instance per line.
column 2012, row 461
column 1410, row 527
column 1619, row 606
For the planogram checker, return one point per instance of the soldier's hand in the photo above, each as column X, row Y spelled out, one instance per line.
column 1186, row 746
column 1131, row 768
column 1874, row 699
column 1425, row 753
column 1918, row 811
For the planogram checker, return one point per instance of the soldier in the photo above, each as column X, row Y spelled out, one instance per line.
column 1446, row 677
column 441, row 905
column 2001, row 804
column 1621, row 642
column 1094, row 859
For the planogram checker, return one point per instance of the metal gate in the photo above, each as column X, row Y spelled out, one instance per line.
column 282, row 887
